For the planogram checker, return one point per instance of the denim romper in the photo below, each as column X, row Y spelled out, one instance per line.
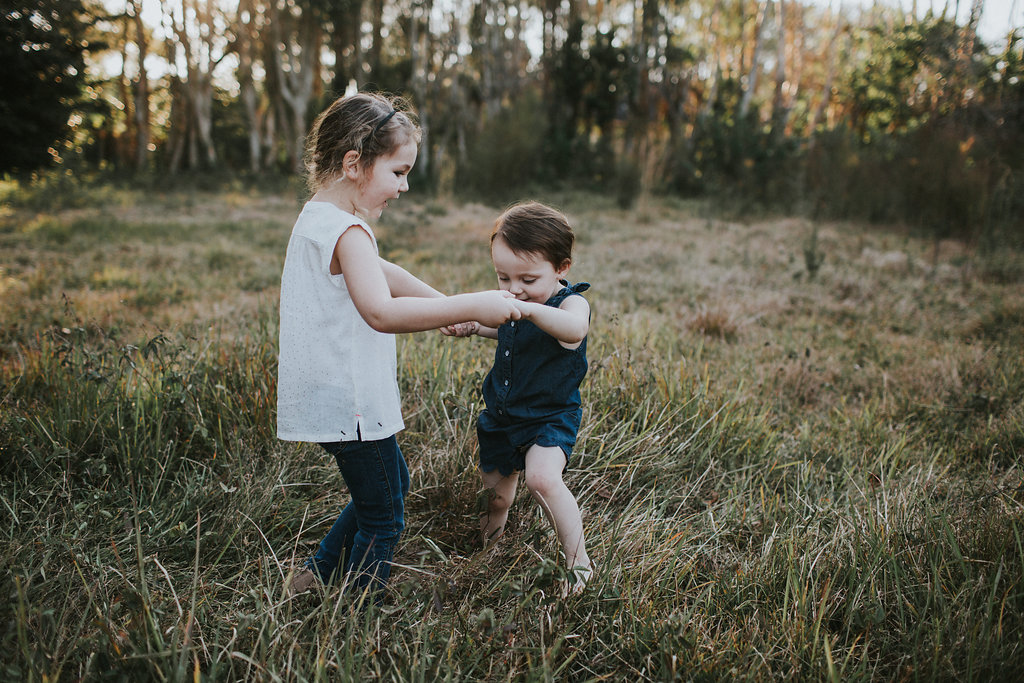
column 532, row 394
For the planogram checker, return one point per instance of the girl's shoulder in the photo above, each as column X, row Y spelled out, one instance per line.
column 316, row 208
column 324, row 221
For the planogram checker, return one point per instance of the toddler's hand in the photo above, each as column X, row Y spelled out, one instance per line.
column 461, row 329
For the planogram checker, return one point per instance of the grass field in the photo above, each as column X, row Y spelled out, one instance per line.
column 801, row 454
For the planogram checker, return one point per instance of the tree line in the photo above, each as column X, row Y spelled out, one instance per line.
column 878, row 115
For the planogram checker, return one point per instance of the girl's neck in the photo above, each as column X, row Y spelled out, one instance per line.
column 341, row 193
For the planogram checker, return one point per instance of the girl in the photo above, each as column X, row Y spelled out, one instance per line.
column 341, row 305
column 532, row 393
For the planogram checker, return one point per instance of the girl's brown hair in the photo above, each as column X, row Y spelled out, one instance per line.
column 370, row 124
column 534, row 228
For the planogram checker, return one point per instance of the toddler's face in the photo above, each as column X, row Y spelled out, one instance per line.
column 530, row 277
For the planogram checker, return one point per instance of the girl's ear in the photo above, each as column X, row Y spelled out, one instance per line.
column 350, row 164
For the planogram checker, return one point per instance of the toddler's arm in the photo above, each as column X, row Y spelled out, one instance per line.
column 568, row 323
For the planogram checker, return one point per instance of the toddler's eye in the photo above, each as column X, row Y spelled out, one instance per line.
column 529, row 282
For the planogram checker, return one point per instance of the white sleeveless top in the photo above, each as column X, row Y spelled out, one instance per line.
column 336, row 375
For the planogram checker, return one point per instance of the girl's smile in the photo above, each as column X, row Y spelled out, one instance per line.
column 387, row 179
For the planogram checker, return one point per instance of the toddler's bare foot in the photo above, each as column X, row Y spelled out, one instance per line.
column 489, row 531
column 577, row 581
column 489, row 537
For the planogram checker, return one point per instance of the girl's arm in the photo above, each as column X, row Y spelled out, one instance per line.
column 371, row 293
column 403, row 283
column 568, row 323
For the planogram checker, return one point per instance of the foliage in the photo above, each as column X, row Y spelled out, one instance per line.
column 42, row 49
column 894, row 90
column 504, row 155
column 739, row 159
column 882, row 117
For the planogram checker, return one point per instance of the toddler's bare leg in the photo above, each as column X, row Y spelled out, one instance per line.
column 501, row 493
column 544, row 479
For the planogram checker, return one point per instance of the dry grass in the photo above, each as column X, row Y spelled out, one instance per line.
column 782, row 476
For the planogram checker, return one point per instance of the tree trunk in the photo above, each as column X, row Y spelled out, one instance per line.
column 779, row 110
column 295, row 86
column 378, row 40
column 246, row 29
column 346, row 44
column 820, row 112
column 714, row 40
column 750, row 86
column 198, row 83
column 125, row 141
column 418, row 56
column 141, row 92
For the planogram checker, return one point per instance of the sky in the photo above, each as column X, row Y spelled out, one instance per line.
column 997, row 16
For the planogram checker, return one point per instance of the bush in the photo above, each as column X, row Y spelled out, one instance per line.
column 504, row 156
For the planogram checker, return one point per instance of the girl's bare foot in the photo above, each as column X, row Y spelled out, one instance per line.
column 303, row 581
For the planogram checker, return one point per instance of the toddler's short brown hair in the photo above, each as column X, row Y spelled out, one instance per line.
column 535, row 228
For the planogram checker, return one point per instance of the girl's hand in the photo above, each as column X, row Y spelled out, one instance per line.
column 495, row 307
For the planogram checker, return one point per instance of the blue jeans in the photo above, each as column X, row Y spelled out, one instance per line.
column 363, row 538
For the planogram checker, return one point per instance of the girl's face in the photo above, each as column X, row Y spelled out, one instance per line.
column 386, row 179
column 529, row 277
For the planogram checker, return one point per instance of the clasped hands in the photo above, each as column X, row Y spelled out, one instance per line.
column 506, row 308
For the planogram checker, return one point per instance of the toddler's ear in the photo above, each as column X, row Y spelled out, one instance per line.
column 565, row 267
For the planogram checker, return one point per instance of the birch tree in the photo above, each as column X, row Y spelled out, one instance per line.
column 750, row 84
column 249, row 23
column 199, row 29
column 779, row 109
column 293, row 55
column 141, row 89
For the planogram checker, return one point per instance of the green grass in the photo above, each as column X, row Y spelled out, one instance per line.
column 783, row 474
